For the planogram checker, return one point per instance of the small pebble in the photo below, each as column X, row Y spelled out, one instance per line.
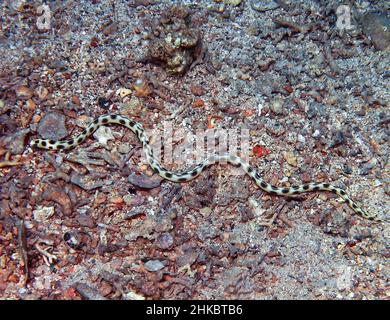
column 366, row 167
column 136, row 211
column 58, row 195
column 43, row 213
column 347, row 169
column 206, row 211
column 110, row 248
column 104, row 103
column 164, row 240
column 76, row 239
column 153, row 265
column 123, row 92
column 344, row 279
column 338, row 139
column 232, row 2
column 41, row 92
column 116, row 200
column 315, row 110
column 290, row 158
column 83, row 121
column 198, row 103
column 132, row 105
column 316, row 134
column 264, row 5
column 197, row 90
column 103, row 135
column 301, row 138
column 143, row 181
column 331, row 100
column 84, row 182
column 30, row 104
column 23, row 93
column 276, row 105
column 110, row 29
column 387, row 189
column 133, row 200
column 58, row 65
column 133, row 296
column 85, row 221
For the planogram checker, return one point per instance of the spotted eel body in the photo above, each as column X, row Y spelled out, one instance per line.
column 195, row 171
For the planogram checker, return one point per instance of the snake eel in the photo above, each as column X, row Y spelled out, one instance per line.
column 195, row 171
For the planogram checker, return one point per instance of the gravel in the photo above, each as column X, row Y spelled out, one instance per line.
column 313, row 97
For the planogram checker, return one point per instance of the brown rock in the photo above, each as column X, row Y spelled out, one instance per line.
column 105, row 288
column 110, row 29
column 144, row 182
column 52, row 126
column 85, row 221
column 306, row 177
column 59, row 196
column 76, row 100
column 23, row 93
column 197, row 90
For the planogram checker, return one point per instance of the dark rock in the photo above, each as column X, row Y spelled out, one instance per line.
column 366, row 167
column 360, row 233
column 347, row 169
column 144, row 182
column 104, row 103
column 102, row 249
column 58, row 65
column 88, row 292
column 233, row 250
column 188, row 258
column 137, row 3
column 85, row 220
column 164, row 240
column 376, row 26
column 245, row 213
column 77, row 240
column 15, row 143
column 7, row 124
column 338, row 139
column 336, row 223
column 387, row 189
column 52, row 126
column 315, row 110
column 134, row 212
